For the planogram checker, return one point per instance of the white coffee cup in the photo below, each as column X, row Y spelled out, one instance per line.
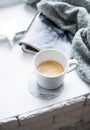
column 52, row 82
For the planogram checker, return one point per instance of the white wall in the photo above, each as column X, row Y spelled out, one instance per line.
column 8, row 2
column 73, row 114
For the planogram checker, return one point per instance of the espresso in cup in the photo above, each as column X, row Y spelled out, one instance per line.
column 50, row 68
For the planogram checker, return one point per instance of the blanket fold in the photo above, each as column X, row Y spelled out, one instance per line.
column 64, row 15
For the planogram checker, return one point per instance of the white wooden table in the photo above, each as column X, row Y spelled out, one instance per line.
column 16, row 70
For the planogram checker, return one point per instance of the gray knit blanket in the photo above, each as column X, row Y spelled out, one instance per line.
column 72, row 16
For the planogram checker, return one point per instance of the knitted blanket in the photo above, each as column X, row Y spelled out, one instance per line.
column 74, row 17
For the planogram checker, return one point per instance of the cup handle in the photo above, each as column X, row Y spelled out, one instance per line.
column 72, row 65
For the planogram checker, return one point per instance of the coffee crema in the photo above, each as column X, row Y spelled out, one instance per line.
column 50, row 68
